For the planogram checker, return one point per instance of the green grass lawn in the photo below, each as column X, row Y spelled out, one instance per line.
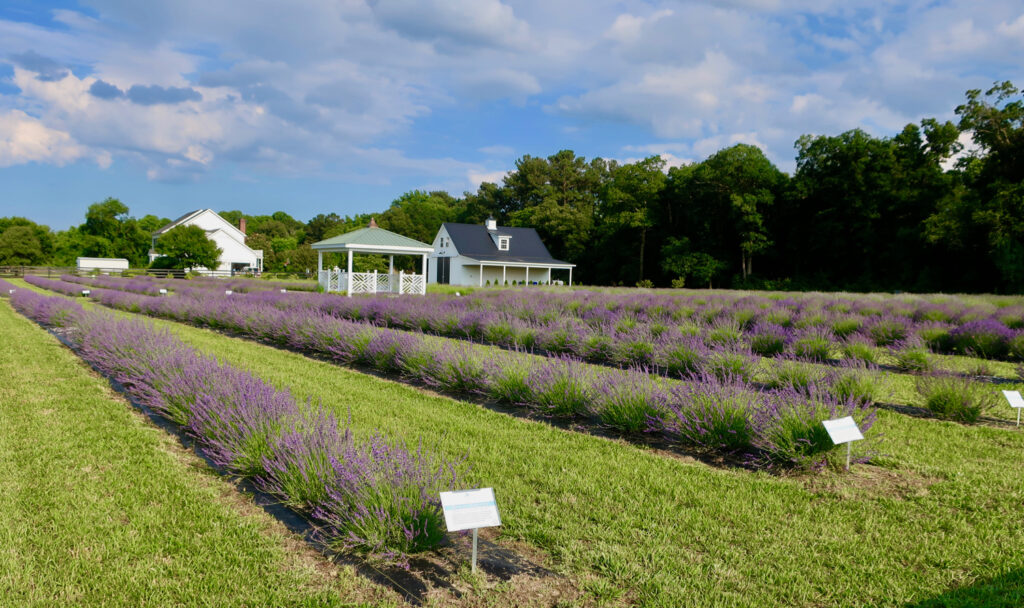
column 99, row 507
column 940, row 510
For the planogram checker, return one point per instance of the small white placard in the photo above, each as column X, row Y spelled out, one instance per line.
column 228, row 292
column 1014, row 398
column 284, row 291
column 469, row 509
column 86, row 292
column 843, row 430
column 163, row 292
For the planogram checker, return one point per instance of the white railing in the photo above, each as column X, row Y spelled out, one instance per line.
column 373, row 282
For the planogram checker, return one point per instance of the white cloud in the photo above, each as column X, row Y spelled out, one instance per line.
column 475, row 178
column 24, row 139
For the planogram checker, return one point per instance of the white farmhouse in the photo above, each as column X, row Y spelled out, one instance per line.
column 235, row 256
column 478, row 254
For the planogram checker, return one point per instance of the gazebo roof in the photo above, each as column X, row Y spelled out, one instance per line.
column 373, row 240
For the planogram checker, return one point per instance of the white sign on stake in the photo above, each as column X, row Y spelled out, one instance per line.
column 163, row 292
column 843, row 430
column 284, row 291
column 228, row 292
column 470, row 509
column 85, row 292
column 1016, row 402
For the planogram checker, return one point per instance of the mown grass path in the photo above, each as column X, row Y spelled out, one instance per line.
column 940, row 510
column 98, row 507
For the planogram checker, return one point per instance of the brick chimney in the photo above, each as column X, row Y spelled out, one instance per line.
column 241, row 225
column 373, row 223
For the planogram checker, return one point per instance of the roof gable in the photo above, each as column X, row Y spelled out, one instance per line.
column 475, row 241
column 372, row 237
column 191, row 217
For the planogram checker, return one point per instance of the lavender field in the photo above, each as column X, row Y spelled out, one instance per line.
column 733, row 386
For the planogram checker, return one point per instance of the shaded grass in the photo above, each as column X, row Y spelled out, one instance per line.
column 666, row 531
column 99, row 508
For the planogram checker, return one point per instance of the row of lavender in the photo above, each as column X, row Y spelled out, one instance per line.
column 373, row 496
column 723, row 414
column 617, row 330
column 152, row 285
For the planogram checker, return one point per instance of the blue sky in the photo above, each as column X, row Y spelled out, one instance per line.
column 343, row 105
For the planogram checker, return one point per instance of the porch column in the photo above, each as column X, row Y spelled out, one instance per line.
column 423, row 290
column 319, row 262
column 504, row 269
column 481, row 277
column 391, row 264
column 549, row 275
column 527, row 275
column 570, row 276
column 348, row 282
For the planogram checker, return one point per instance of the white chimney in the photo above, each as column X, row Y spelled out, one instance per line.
column 492, row 224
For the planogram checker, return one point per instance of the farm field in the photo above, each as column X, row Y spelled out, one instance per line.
column 931, row 520
column 98, row 507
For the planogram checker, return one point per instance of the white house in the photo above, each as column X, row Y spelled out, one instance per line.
column 478, row 254
column 235, row 255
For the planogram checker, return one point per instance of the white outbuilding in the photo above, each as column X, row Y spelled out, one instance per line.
column 236, row 256
column 489, row 254
column 104, row 265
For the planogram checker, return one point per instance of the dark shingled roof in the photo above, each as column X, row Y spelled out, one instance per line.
column 525, row 246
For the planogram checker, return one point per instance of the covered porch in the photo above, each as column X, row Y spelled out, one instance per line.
column 373, row 240
column 501, row 273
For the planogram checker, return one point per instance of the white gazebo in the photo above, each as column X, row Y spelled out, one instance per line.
column 372, row 240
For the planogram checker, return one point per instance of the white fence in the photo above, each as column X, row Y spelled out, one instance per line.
column 373, row 282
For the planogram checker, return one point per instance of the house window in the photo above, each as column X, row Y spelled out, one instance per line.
column 503, row 243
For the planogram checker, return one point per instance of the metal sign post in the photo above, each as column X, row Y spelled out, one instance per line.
column 1016, row 402
column 843, row 430
column 470, row 510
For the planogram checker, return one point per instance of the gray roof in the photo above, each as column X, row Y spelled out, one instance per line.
column 372, row 237
column 524, row 246
column 178, row 221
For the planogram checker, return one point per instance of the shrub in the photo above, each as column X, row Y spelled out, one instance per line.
column 794, row 376
column 712, row 414
column 768, row 340
column 911, row 357
column 857, row 383
column 630, row 401
column 724, row 333
column 937, row 339
column 847, row 326
column 684, row 358
column 812, row 345
column 1016, row 347
column 734, row 366
column 561, row 387
column 985, row 338
column 885, row 332
column 955, row 398
column 789, row 429
column 859, row 349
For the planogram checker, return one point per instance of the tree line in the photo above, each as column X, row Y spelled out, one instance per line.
column 859, row 213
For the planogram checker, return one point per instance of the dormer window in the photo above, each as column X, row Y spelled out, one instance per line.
column 503, row 243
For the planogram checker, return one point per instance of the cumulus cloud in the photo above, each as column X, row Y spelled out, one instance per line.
column 24, row 139
column 105, row 90
column 155, row 94
column 46, row 69
column 455, row 24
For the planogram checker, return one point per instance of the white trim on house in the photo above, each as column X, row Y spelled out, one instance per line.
column 230, row 240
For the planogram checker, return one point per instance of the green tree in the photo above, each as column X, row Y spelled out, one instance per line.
column 188, row 247
column 418, row 214
column 19, row 246
column 630, row 197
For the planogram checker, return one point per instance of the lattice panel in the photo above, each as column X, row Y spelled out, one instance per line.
column 363, row 282
column 413, row 283
column 383, row 283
